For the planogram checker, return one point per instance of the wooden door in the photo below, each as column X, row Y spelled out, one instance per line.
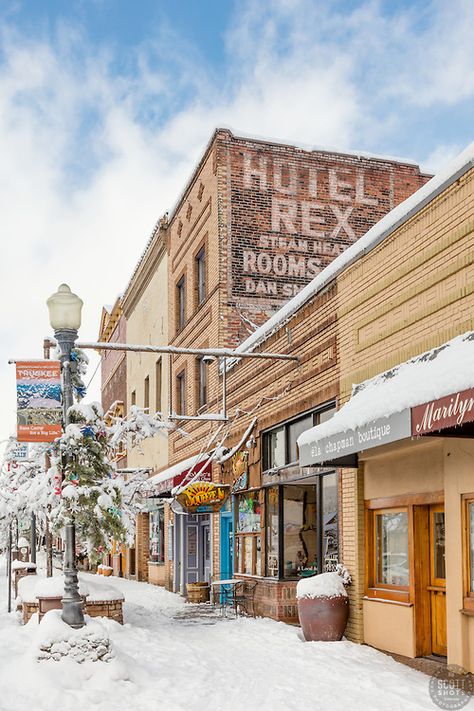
column 437, row 584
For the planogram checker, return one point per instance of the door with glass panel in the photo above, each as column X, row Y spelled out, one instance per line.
column 437, row 583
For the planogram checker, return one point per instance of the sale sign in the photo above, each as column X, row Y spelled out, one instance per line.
column 38, row 389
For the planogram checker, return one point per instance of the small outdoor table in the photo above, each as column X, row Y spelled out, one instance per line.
column 227, row 588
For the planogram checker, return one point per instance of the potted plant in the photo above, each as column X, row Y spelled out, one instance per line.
column 323, row 605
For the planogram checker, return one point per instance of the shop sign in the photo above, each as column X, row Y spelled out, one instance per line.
column 342, row 444
column 240, row 471
column 38, row 390
column 450, row 411
column 203, row 497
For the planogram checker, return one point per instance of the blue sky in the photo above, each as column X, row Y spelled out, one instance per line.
column 106, row 105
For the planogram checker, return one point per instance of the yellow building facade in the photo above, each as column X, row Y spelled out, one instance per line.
column 407, row 507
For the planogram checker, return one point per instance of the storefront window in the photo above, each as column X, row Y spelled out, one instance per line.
column 157, row 536
column 470, row 509
column 248, row 546
column 248, row 513
column 330, row 521
column 299, row 530
column 391, row 531
column 306, row 541
column 271, row 530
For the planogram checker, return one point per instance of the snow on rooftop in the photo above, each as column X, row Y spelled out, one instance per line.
column 316, row 148
column 435, row 374
column 179, row 468
column 390, row 222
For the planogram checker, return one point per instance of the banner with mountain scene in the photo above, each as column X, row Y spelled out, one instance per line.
column 38, row 391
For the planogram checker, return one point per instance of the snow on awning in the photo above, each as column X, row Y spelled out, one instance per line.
column 165, row 481
column 380, row 409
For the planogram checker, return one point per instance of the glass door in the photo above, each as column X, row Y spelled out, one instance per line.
column 437, row 586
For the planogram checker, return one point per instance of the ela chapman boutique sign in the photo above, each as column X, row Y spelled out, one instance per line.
column 341, row 445
column 450, row 411
column 203, row 497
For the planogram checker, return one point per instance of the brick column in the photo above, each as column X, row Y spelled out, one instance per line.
column 352, row 540
column 141, row 546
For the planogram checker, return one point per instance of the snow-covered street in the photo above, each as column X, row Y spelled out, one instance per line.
column 169, row 661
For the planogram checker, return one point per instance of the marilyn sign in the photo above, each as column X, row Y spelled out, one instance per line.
column 336, row 448
column 450, row 411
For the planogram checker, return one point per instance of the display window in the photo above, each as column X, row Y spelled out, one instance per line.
column 468, row 552
column 388, row 554
column 157, row 536
column 248, row 546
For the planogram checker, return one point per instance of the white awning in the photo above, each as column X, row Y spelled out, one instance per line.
column 173, row 476
column 379, row 410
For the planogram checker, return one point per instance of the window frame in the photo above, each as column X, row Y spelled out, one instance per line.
column 385, row 591
column 181, row 392
column 468, row 594
column 146, row 393
column 181, row 303
column 200, row 263
column 315, row 413
column 158, row 384
column 240, row 538
column 160, row 511
column 202, row 382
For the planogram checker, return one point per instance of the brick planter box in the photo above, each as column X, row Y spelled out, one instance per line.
column 113, row 609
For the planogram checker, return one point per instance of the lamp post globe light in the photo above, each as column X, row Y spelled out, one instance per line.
column 65, row 318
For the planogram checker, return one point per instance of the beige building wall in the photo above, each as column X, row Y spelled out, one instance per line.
column 424, row 467
column 411, row 293
column 458, row 460
column 147, row 324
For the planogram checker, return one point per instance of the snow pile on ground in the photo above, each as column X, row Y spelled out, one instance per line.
column 55, row 640
column 33, row 586
column 323, row 585
column 165, row 661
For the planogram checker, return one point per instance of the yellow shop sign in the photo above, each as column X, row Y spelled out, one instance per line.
column 203, row 497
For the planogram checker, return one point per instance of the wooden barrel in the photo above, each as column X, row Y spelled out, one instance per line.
column 197, row 592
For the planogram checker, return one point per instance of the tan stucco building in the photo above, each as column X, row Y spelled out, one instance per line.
column 145, row 306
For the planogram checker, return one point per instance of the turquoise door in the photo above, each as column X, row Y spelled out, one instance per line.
column 227, row 546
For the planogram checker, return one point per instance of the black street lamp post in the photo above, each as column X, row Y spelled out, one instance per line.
column 65, row 318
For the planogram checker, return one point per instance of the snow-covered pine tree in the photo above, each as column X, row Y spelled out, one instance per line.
column 90, row 491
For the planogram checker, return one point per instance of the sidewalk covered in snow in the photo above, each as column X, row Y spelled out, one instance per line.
column 162, row 661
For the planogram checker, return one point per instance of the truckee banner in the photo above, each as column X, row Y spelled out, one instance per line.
column 38, row 393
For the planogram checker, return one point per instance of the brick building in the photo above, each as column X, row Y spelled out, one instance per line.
column 254, row 225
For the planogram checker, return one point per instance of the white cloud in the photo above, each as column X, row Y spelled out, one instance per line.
column 91, row 159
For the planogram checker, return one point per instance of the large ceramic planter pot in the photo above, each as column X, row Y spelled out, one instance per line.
column 323, row 619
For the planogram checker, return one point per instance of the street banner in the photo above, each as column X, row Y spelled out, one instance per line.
column 38, row 391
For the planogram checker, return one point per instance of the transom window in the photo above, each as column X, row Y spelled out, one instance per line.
column 280, row 444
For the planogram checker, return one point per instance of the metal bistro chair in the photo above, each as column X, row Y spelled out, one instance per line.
column 243, row 598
